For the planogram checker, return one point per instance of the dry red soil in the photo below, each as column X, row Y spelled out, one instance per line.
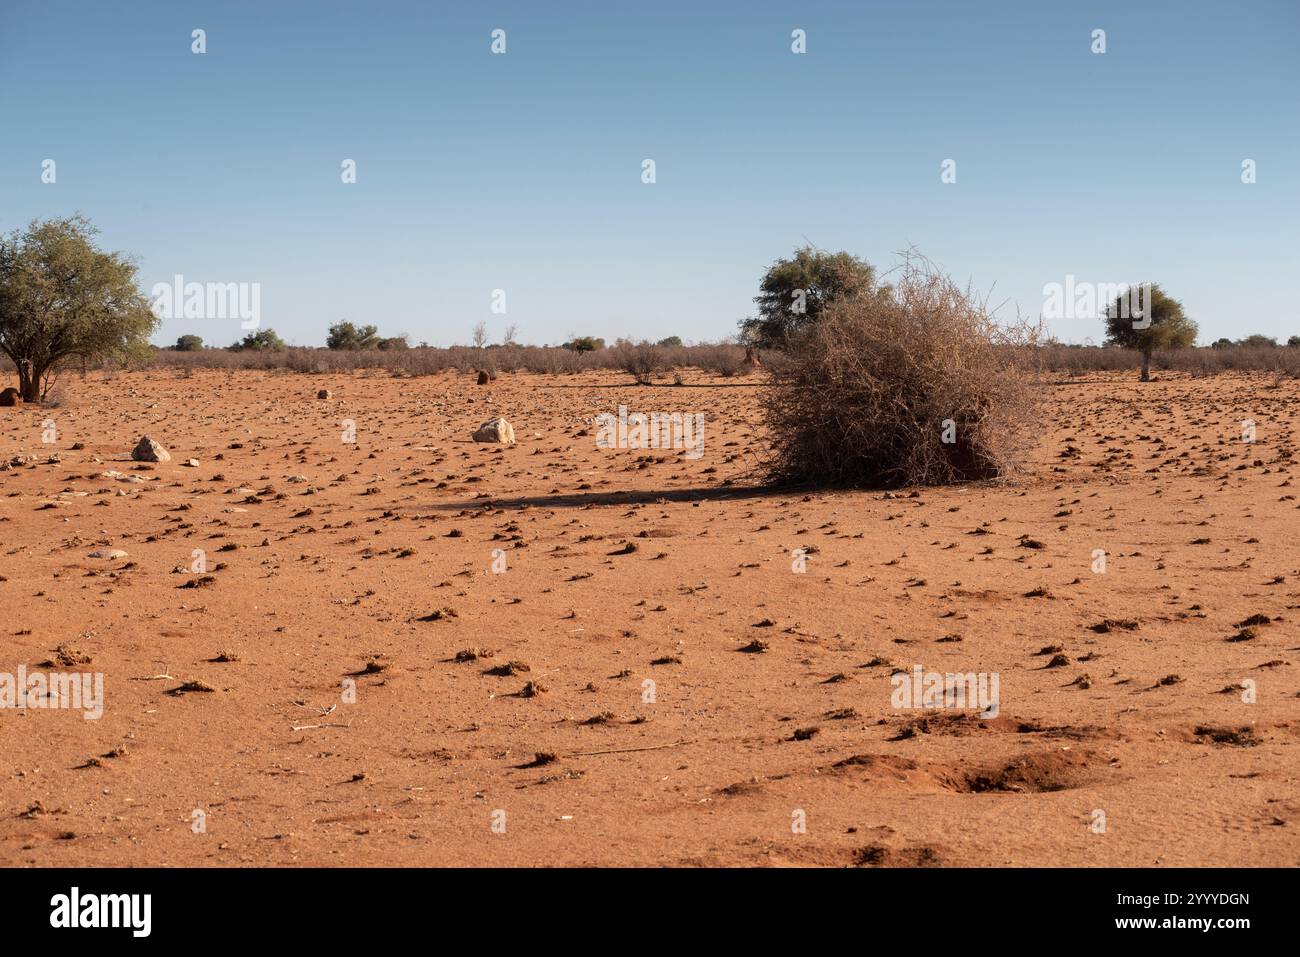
column 332, row 565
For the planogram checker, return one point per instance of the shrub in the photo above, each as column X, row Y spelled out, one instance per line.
column 910, row 384
column 724, row 359
column 189, row 344
column 641, row 359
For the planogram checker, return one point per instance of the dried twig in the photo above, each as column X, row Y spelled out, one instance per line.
column 653, row 747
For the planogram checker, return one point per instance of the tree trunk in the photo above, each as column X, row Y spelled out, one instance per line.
column 1146, row 367
column 29, row 381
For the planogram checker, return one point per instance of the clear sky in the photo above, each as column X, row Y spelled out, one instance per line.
column 523, row 171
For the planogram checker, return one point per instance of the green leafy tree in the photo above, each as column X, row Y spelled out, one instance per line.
column 392, row 344
column 1293, row 342
column 62, row 298
column 344, row 335
column 794, row 291
column 672, row 342
column 189, row 344
column 1147, row 320
column 263, row 340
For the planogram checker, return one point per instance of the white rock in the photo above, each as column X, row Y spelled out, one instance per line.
column 496, row 430
column 107, row 553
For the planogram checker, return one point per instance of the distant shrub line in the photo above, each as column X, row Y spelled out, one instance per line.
column 641, row 360
column 1200, row 360
column 648, row 361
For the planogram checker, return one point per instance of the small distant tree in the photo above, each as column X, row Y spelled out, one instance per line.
column 62, row 298
column 1221, row 343
column 584, row 344
column 672, row 342
column 480, row 335
column 1293, row 342
column 189, row 344
column 263, row 340
column 392, row 344
column 511, row 332
column 1258, row 340
column 794, row 291
column 1157, row 322
column 344, row 335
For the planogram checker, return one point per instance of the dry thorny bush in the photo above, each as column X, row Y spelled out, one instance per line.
column 865, row 395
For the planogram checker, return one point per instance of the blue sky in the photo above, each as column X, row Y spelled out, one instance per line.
column 522, row 171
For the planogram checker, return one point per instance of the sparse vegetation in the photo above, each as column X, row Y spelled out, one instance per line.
column 64, row 299
column 908, row 386
column 641, row 359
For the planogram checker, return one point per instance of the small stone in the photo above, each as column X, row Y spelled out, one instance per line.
column 107, row 553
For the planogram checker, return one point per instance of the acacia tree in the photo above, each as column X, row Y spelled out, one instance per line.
column 344, row 335
column 263, row 340
column 794, row 291
column 1146, row 319
column 63, row 298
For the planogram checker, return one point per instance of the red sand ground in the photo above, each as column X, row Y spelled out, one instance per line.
column 314, row 579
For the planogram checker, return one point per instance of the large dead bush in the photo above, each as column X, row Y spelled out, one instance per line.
column 910, row 384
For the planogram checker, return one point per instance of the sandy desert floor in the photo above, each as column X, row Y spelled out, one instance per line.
column 649, row 681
